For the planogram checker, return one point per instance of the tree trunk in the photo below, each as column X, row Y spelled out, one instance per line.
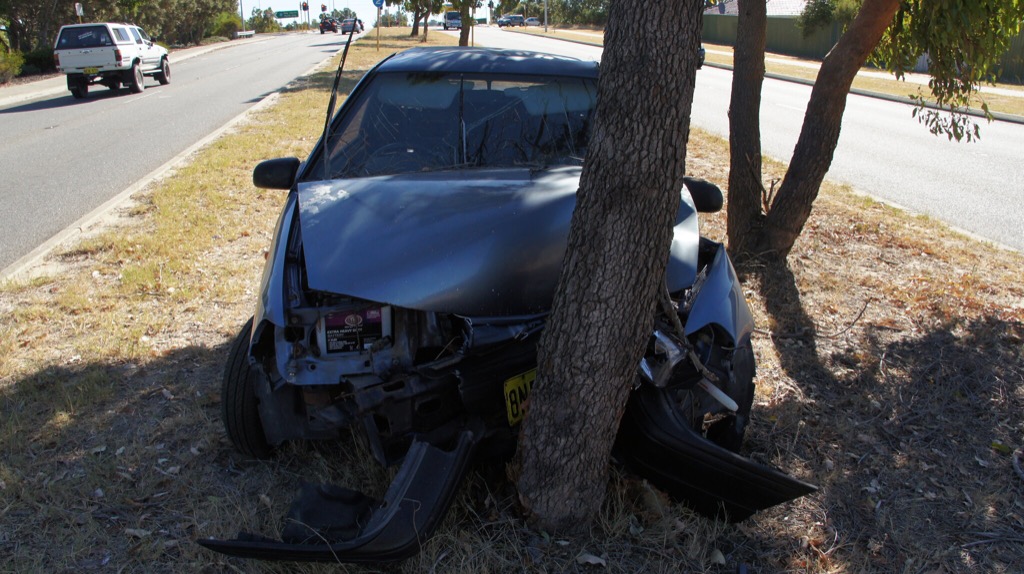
column 745, row 215
column 614, row 265
column 464, row 30
column 820, row 134
column 415, row 21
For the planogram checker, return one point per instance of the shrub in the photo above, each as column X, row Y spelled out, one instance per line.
column 41, row 60
column 10, row 66
column 226, row 24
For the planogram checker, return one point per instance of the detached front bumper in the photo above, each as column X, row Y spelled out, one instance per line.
column 655, row 444
column 333, row 524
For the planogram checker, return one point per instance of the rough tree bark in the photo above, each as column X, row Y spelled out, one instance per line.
column 615, row 263
column 745, row 215
column 464, row 30
column 820, row 133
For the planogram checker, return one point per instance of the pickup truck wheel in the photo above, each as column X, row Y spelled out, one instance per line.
column 138, row 81
column 164, row 75
column 79, row 90
column 239, row 404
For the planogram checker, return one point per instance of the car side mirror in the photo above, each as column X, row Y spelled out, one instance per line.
column 707, row 197
column 276, row 173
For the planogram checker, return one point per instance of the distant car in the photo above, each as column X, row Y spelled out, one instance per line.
column 700, row 57
column 328, row 25
column 452, row 20
column 348, row 24
column 515, row 20
column 532, row 22
column 504, row 21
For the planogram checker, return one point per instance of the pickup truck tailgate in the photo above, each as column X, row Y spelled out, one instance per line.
column 79, row 59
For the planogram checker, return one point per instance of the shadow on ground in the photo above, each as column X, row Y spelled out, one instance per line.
column 902, row 430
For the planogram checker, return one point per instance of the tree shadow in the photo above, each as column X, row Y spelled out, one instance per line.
column 66, row 100
column 127, row 463
column 902, row 429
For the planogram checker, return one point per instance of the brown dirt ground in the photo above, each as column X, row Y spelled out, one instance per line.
column 890, row 374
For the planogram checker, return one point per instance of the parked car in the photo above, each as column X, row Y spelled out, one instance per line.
column 532, row 22
column 109, row 54
column 700, row 57
column 452, row 20
column 516, row 20
column 402, row 299
column 504, row 21
column 328, row 25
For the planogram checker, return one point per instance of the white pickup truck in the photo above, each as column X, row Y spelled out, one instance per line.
column 109, row 54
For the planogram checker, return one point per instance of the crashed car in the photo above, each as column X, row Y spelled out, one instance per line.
column 411, row 273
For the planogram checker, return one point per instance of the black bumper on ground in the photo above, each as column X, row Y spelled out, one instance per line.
column 656, row 444
column 333, row 524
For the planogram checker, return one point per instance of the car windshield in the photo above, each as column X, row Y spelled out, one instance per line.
column 413, row 122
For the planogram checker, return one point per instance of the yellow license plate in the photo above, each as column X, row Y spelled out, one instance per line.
column 517, row 389
column 91, row 70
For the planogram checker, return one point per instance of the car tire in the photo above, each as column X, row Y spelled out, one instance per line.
column 136, row 82
column 79, row 90
column 729, row 432
column 239, row 403
column 321, row 32
column 164, row 75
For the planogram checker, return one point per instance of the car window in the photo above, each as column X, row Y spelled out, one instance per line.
column 410, row 122
column 121, row 36
column 84, row 37
column 144, row 35
column 135, row 34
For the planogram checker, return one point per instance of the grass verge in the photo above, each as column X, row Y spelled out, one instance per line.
column 890, row 373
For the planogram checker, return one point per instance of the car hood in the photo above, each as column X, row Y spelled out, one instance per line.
column 472, row 242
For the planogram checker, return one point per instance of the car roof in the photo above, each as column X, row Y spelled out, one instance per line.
column 488, row 60
column 86, row 24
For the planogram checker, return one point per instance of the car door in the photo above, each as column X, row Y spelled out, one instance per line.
column 147, row 53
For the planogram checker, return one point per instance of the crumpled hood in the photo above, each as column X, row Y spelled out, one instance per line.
column 472, row 242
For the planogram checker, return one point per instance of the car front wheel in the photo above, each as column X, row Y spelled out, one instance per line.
column 137, row 80
column 164, row 75
column 239, row 404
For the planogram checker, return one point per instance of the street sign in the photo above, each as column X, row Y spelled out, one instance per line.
column 287, row 14
column 378, row 3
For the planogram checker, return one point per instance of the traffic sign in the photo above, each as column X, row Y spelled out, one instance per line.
column 378, row 3
column 287, row 14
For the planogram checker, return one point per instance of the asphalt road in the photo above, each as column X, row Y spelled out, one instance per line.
column 61, row 158
column 883, row 151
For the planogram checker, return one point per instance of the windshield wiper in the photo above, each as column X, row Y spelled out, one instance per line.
column 330, row 106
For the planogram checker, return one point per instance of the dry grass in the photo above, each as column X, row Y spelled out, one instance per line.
column 890, row 373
